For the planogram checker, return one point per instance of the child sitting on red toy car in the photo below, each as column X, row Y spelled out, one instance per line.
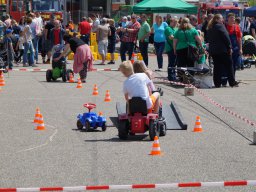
column 137, row 85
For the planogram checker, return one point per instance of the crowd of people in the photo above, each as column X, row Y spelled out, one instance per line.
column 187, row 43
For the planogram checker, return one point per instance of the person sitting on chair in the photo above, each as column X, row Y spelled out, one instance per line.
column 136, row 85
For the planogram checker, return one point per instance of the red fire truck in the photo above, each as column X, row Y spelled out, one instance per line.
column 223, row 8
column 18, row 8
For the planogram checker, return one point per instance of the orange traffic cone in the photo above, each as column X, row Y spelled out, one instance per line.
column 107, row 97
column 133, row 57
column 95, row 90
column 198, row 126
column 71, row 78
column 37, row 115
column 79, row 84
column 40, row 123
column 156, row 147
column 2, row 82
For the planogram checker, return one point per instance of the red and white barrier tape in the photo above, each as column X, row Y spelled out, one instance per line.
column 214, row 102
column 107, row 69
column 44, row 70
column 139, row 186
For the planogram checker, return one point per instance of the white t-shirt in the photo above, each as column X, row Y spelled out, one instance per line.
column 137, row 86
column 21, row 41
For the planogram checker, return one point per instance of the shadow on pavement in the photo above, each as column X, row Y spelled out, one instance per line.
column 132, row 138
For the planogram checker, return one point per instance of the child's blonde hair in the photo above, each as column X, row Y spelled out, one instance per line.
column 201, row 35
column 140, row 67
column 126, row 68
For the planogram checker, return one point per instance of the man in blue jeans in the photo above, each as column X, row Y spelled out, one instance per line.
column 129, row 38
column 169, row 33
column 143, row 37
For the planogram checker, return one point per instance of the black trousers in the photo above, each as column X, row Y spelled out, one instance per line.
column 144, row 51
column 83, row 72
column 126, row 46
column 182, row 58
column 223, row 62
column 85, row 38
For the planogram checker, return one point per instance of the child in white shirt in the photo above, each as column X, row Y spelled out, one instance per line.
column 136, row 85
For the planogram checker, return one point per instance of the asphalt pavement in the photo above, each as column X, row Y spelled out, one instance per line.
column 64, row 156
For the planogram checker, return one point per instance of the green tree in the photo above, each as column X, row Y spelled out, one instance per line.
column 252, row 2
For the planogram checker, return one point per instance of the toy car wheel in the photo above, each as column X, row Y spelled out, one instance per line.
column 153, row 129
column 162, row 128
column 79, row 124
column 104, row 127
column 123, row 129
column 87, row 126
column 64, row 75
column 48, row 75
column 69, row 71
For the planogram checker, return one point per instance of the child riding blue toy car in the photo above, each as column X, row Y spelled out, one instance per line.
column 91, row 120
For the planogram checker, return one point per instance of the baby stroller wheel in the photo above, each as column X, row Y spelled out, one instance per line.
column 49, row 75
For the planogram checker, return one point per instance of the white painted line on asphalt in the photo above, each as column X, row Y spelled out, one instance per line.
column 42, row 145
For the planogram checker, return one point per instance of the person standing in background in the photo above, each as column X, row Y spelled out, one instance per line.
column 169, row 33
column 103, row 32
column 112, row 41
column 47, row 41
column 143, row 37
column 84, row 29
column 220, row 48
column 158, row 29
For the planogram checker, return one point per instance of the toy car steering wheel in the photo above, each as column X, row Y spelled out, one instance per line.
column 90, row 106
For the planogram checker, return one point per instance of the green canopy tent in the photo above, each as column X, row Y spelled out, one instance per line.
column 165, row 6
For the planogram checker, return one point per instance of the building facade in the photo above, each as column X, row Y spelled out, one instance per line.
column 81, row 8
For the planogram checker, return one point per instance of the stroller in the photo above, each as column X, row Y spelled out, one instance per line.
column 249, row 51
column 3, row 57
column 200, row 78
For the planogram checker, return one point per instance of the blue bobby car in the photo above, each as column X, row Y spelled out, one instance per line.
column 91, row 120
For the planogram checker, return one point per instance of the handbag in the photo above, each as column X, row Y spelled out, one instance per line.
column 193, row 52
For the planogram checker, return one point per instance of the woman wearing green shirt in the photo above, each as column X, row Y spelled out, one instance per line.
column 184, row 36
column 169, row 34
